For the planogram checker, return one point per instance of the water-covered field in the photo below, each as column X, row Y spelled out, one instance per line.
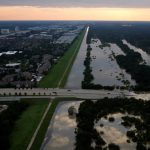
column 115, row 132
column 104, row 66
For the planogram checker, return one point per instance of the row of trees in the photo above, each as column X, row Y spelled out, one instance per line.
column 7, row 121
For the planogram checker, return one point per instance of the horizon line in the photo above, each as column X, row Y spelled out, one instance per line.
column 85, row 20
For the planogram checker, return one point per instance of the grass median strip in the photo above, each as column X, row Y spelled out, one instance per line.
column 58, row 74
column 27, row 124
column 41, row 133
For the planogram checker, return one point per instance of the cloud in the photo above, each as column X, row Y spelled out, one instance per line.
column 78, row 3
column 59, row 141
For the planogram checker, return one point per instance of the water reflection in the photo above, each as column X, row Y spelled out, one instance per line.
column 60, row 134
column 59, row 141
column 114, row 132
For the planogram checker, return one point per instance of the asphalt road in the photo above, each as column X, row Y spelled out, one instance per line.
column 16, row 94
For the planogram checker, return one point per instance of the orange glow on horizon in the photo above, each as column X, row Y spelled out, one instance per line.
column 39, row 13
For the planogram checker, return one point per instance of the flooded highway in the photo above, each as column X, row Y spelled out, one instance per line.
column 76, row 75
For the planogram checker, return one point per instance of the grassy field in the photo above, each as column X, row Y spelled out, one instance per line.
column 27, row 124
column 57, row 76
column 41, row 134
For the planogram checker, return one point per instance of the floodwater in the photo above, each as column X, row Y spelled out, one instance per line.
column 76, row 75
column 115, row 132
column 60, row 134
column 104, row 66
column 105, row 69
column 144, row 55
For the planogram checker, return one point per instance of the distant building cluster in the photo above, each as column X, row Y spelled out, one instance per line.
column 5, row 31
column 28, row 53
column 69, row 36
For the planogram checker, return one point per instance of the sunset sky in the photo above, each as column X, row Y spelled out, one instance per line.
column 136, row 10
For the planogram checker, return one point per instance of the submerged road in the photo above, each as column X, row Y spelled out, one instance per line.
column 76, row 74
column 16, row 94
